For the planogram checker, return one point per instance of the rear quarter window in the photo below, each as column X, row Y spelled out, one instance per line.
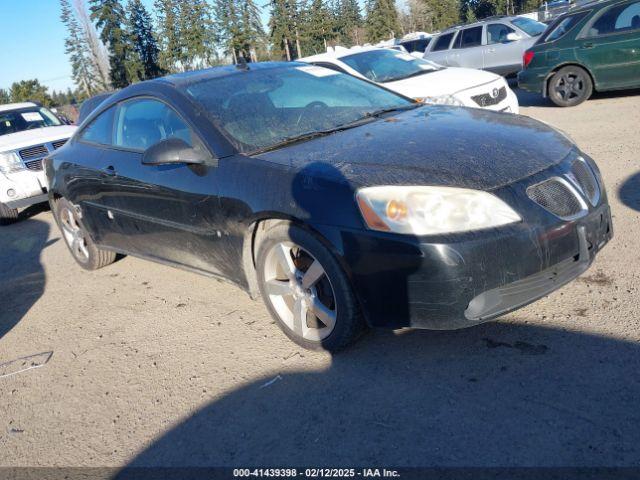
column 562, row 27
column 100, row 130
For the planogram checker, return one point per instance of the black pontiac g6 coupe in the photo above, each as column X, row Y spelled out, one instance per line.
column 342, row 204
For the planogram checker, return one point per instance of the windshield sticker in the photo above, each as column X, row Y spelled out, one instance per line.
column 405, row 56
column 318, row 71
column 32, row 117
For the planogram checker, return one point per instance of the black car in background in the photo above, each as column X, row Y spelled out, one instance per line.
column 341, row 203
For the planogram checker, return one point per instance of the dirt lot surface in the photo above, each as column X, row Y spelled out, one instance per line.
column 156, row 366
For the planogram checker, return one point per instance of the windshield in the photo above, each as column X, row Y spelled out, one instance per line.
column 387, row 66
column 28, row 118
column 263, row 108
column 530, row 26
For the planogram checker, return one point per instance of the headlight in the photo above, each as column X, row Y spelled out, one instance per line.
column 10, row 162
column 443, row 100
column 432, row 210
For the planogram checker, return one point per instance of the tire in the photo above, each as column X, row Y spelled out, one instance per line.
column 8, row 215
column 570, row 86
column 79, row 242
column 289, row 256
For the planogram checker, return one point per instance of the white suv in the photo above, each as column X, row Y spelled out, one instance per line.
column 28, row 133
column 420, row 79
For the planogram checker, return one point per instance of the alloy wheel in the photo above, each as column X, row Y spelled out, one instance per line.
column 74, row 234
column 300, row 291
column 570, row 86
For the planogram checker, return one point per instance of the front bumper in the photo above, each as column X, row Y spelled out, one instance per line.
column 457, row 281
column 23, row 189
column 509, row 104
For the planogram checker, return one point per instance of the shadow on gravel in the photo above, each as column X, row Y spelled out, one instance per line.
column 494, row 395
column 527, row 99
column 629, row 192
column 22, row 277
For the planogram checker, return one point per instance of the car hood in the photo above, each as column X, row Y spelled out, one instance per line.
column 447, row 81
column 28, row 138
column 432, row 145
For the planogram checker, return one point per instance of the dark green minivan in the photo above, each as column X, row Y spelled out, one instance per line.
column 595, row 46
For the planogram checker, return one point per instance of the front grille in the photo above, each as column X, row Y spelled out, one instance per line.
column 586, row 180
column 35, row 165
column 490, row 99
column 557, row 196
column 58, row 143
column 33, row 152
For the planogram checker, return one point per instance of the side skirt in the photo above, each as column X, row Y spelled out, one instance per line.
column 177, row 265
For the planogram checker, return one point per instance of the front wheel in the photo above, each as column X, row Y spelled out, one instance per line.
column 570, row 86
column 306, row 291
column 84, row 251
column 8, row 215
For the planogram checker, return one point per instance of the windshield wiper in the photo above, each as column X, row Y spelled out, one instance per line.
column 367, row 118
column 311, row 135
column 411, row 75
column 378, row 113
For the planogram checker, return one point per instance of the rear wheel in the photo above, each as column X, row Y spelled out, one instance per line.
column 570, row 86
column 306, row 291
column 8, row 215
column 84, row 251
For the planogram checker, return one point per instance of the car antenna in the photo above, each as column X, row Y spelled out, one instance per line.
column 242, row 63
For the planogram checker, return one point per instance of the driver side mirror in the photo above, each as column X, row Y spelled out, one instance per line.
column 175, row 151
column 512, row 37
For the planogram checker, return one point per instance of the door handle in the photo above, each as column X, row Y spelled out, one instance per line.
column 110, row 170
column 587, row 45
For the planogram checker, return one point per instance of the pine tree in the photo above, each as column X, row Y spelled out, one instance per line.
column 194, row 33
column 168, row 34
column 4, row 97
column 142, row 63
column 109, row 16
column 253, row 34
column 98, row 55
column 283, row 26
column 82, row 70
column 317, row 27
column 348, row 21
column 382, row 20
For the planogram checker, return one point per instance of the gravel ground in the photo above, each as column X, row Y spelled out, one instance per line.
column 156, row 366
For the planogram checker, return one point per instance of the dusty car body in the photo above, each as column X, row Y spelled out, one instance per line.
column 224, row 208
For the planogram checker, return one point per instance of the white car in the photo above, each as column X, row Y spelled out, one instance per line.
column 28, row 133
column 420, row 79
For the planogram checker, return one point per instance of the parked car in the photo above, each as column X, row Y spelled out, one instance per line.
column 495, row 44
column 342, row 203
column 28, row 132
column 593, row 48
column 416, row 43
column 90, row 104
column 420, row 79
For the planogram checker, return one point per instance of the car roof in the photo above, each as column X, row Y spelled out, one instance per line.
column 339, row 52
column 589, row 4
column 460, row 26
column 15, row 106
column 187, row 78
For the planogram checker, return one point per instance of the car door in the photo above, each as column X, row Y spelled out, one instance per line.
column 467, row 50
column 166, row 212
column 88, row 178
column 501, row 55
column 610, row 46
column 440, row 50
